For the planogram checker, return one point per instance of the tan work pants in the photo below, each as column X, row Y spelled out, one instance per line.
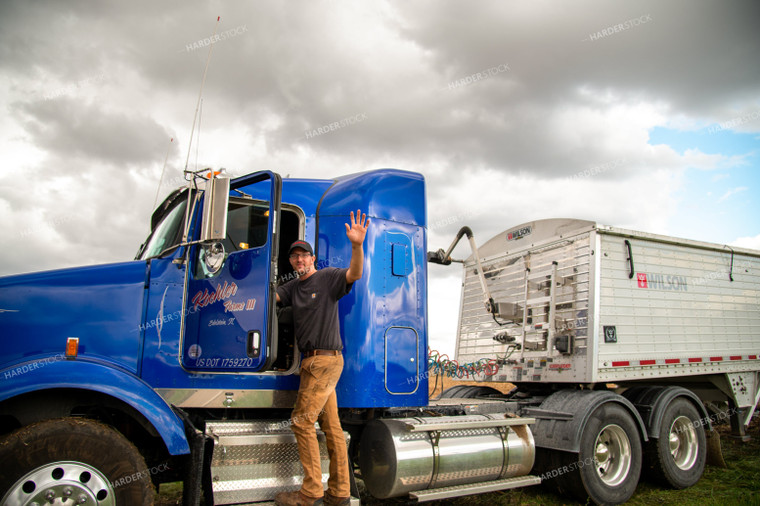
column 317, row 401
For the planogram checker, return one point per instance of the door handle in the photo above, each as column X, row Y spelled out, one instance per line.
column 253, row 343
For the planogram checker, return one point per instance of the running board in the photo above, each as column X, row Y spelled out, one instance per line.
column 474, row 488
column 448, row 424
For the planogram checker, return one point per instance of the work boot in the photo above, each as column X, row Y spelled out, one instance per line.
column 331, row 500
column 296, row 498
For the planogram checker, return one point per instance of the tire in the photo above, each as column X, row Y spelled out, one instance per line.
column 72, row 458
column 677, row 457
column 608, row 466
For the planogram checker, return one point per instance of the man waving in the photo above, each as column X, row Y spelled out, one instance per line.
column 314, row 295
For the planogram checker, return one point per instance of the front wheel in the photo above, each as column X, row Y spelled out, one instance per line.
column 608, row 466
column 677, row 457
column 77, row 460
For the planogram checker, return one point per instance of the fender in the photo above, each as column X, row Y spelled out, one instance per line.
column 44, row 374
column 562, row 416
column 651, row 401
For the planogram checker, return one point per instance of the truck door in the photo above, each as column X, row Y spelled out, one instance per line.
column 230, row 285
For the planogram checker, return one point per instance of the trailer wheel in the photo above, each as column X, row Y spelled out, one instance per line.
column 608, row 466
column 81, row 460
column 677, row 457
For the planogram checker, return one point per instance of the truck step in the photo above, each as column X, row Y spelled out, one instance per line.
column 254, row 460
column 475, row 488
column 354, row 502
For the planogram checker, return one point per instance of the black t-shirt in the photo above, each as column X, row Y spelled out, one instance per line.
column 315, row 307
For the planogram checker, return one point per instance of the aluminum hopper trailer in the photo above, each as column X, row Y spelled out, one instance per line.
column 624, row 346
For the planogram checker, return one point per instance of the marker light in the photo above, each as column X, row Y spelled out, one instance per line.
column 72, row 347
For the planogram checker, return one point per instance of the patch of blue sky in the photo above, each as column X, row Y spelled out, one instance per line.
column 721, row 204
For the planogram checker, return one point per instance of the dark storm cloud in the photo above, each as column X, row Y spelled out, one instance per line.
column 693, row 54
column 559, row 58
column 67, row 128
column 308, row 65
column 65, row 40
column 695, row 58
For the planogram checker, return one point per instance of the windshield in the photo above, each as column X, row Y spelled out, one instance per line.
column 168, row 232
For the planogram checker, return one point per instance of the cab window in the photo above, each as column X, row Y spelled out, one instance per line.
column 247, row 225
column 247, row 228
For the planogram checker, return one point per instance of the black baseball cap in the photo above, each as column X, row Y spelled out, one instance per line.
column 303, row 245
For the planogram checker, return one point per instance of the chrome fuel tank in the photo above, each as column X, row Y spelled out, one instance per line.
column 402, row 455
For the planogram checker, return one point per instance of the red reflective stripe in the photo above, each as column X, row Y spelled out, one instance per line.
column 621, row 363
column 716, row 359
column 695, row 360
column 647, row 362
column 736, row 357
column 672, row 360
column 753, row 357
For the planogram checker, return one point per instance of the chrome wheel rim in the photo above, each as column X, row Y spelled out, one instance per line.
column 682, row 443
column 612, row 455
column 62, row 483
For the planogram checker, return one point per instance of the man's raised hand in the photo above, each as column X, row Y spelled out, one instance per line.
column 357, row 231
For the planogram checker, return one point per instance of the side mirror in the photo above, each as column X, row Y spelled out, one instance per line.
column 216, row 199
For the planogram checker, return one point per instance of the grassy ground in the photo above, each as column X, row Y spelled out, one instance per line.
column 739, row 484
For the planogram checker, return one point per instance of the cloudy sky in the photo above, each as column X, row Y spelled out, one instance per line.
column 644, row 115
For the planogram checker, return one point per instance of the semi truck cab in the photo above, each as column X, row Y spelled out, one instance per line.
column 189, row 330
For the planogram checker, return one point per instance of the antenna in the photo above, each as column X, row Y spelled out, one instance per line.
column 198, row 142
column 155, row 201
column 200, row 94
column 189, row 146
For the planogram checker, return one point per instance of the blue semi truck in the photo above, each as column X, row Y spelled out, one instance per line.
column 179, row 366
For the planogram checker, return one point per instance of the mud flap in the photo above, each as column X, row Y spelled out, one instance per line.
column 714, row 453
